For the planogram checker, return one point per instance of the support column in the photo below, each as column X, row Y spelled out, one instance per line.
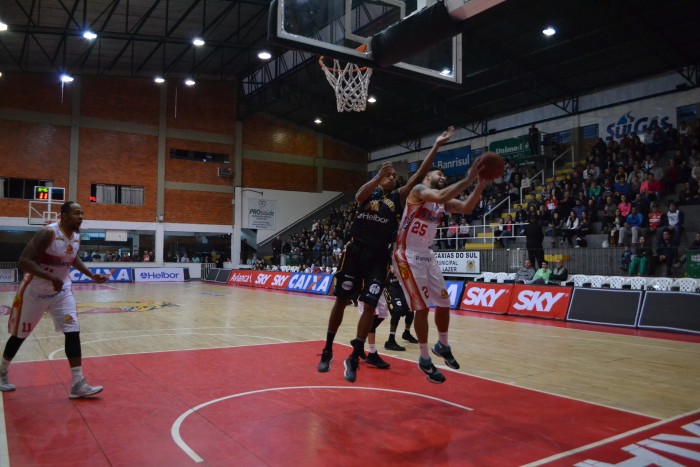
column 74, row 152
column 237, row 204
column 160, row 181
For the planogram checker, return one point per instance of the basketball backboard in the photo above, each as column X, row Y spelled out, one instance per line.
column 43, row 212
column 337, row 28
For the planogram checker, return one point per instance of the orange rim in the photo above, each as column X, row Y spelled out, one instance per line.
column 362, row 48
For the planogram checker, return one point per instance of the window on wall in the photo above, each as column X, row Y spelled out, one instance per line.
column 687, row 114
column 199, row 156
column 20, row 188
column 101, row 193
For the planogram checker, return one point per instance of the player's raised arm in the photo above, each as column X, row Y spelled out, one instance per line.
column 457, row 206
column 426, row 164
column 80, row 266
column 366, row 190
column 424, row 193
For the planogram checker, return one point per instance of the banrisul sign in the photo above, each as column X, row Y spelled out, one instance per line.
column 628, row 124
column 455, row 162
column 513, row 148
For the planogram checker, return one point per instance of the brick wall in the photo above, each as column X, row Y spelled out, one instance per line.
column 37, row 93
column 42, row 149
column 31, row 150
column 179, row 170
column 122, row 99
column 196, row 207
column 117, row 159
column 262, row 133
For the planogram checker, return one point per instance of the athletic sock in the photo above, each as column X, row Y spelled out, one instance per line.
column 77, row 374
column 4, row 364
column 423, row 346
column 372, row 348
column 442, row 338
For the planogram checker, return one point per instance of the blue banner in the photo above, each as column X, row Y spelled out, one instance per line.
column 310, row 283
column 114, row 274
column 454, row 290
column 454, row 162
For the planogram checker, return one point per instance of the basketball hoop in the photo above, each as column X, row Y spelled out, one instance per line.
column 350, row 83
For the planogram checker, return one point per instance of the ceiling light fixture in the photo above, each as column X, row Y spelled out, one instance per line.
column 318, row 121
column 66, row 78
column 89, row 35
column 189, row 82
column 446, row 72
column 198, row 42
column 159, row 79
column 3, row 26
column 264, row 55
column 549, row 31
column 371, row 99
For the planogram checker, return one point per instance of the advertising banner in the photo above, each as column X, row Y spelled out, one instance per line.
column 513, row 148
column 160, row 275
column 113, row 274
column 454, row 162
column 670, row 311
column 605, row 306
column 318, row 284
column 8, row 275
column 540, row 301
column 459, row 262
column 261, row 214
column 271, row 280
column 486, row 297
column 242, row 278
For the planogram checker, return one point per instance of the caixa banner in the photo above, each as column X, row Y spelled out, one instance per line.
column 113, row 274
column 310, row 283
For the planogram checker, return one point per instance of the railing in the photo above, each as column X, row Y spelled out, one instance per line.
column 554, row 162
column 530, row 184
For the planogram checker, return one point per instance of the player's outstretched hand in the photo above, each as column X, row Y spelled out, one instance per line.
column 445, row 136
column 475, row 169
column 99, row 278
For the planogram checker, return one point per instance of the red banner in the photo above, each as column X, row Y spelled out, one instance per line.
column 484, row 296
column 260, row 279
column 540, row 301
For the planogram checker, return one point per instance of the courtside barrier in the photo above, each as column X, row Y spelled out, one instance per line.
column 161, row 274
column 486, row 297
column 318, row 284
column 8, row 276
column 454, row 291
column 218, row 275
column 670, row 311
column 539, row 301
column 612, row 307
column 113, row 274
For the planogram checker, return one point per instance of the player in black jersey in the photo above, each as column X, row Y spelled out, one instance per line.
column 398, row 308
column 367, row 255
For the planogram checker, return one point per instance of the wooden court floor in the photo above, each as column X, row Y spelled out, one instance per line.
column 163, row 351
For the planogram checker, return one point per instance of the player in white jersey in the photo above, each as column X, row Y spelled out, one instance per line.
column 419, row 272
column 46, row 287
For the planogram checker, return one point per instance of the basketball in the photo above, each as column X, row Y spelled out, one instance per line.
column 493, row 166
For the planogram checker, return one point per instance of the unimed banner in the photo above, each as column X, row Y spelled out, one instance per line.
column 540, row 301
column 487, row 297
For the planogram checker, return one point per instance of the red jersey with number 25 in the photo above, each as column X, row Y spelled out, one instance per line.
column 419, row 225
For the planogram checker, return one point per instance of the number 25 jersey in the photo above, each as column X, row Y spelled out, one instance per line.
column 419, row 225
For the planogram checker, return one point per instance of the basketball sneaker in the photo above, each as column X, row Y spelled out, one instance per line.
column 5, row 384
column 433, row 374
column 83, row 389
column 350, row 365
column 391, row 344
column 408, row 337
column 445, row 352
column 326, row 358
column 376, row 361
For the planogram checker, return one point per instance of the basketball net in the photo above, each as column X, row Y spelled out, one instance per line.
column 350, row 83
